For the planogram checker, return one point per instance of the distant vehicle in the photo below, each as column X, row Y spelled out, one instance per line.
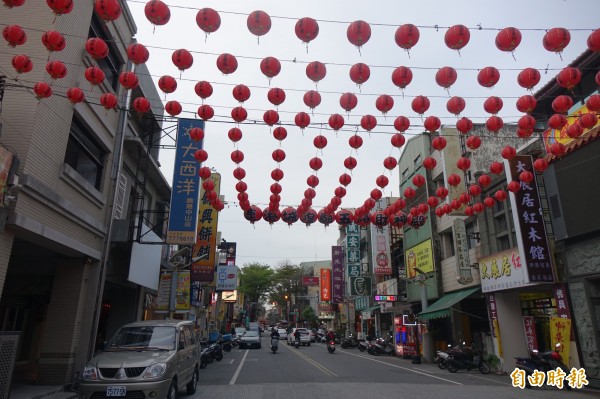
column 239, row 331
column 250, row 339
column 304, row 337
column 313, row 336
column 282, row 333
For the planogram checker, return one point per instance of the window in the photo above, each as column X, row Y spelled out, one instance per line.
column 503, row 243
column 84, row 154
column 471, row 240
column 404, row 174
column 111, row 64
column 500, row 223
column 447, row 245
column 417, row 161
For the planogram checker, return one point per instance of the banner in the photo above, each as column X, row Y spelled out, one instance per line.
column 380, row 237
column 337, row 265
column 205, row 246
column 560, row 334
column 530, row 333
column 226, row 278
column 326, row 284
column 182, row 292
column 461, row 248
column 310, row 281
column 186, row 186
column 421, row 257
column 562, row 303
column 164, row 292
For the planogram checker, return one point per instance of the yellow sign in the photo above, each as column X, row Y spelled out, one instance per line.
column 182, row 294
column 560, row 332
column 421, row 257
column 206, row 236
column 552, row 136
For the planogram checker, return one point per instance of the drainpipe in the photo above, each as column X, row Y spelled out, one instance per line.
column 115, row 172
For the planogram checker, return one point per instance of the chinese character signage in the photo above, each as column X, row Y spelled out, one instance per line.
column 326, row 310
column 501, row 271
column 562, row 303
column 386, row 298
column 206, row 237
column 361, row 303
column 360, row 286
column 530, row 333
column 353, row 250
column 552, row 136
column 493, row 313
column 421, row 257
column 380, row 237
column 226, row 278
column 337, row 274
column 164, row 292
column 182, row 292
column 326, row 284
column 461, row 245
column 560, row 334
column 310, row 281
column 186, row 186
column 529, row 223
column 229, row 249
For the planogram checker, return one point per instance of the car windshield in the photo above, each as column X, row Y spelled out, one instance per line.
column 143, row 338
column 281, row 330
column 251, row 334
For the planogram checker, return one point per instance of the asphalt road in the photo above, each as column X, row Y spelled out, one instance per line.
column 308, row 372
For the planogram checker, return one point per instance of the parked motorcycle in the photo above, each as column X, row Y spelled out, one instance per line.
column 350, row 342
column 466, row 358
column 383, row 346
column 331, row 346
column 363, row 344
column 440, row 359
column 274, row 344
column 544, row 362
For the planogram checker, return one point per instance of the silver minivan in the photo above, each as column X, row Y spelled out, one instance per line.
column 148, row 359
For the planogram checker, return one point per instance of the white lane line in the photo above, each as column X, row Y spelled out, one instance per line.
column 489, row 379
column 239, row 368
column 403, row 368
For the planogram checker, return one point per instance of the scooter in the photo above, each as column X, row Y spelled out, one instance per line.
column 331, row 346
column 466, row 358
column 297, row 342
column 440, row 359
column 350, row 342
column 545, row 361
column 274, row 344
column 383, row 347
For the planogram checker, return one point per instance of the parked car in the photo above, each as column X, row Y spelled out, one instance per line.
column 304, row 336
column 282, row 333
column 313, row 335
column 153, row 358
column 250, row 339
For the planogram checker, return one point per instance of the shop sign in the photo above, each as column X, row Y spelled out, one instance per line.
column 326, row 311
column 501, row 271
column 337, row 274
column 205, row 246
column 560, row 334
column 226, row 278
column 164, row 292
column 562, row 303
column 361, row 303
column 380, row 236
column 491, row 302
column 326, row 284
column 530, row 333
column 419, row 257
column 529, row 222
column 360, row 286
column 353, row 250
column 310, row 281
column 551, row 136
column 182, row 291
column 386, row 298
column 461, row 245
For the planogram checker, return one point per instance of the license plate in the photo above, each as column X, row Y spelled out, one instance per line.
column 116, row 390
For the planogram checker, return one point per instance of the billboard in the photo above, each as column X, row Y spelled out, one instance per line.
column 206, row 236
column 501, row 271
column 421, row 257
column 186, row 186
column 326, row 284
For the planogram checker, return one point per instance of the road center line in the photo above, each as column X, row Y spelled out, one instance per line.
column 239, row 368
column 320, row 367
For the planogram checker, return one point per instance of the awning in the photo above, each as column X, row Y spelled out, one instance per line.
column 441, row 307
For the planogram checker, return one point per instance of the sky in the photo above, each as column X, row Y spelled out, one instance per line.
column 279, row 243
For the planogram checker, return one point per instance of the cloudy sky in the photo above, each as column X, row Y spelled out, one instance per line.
column 273, row 244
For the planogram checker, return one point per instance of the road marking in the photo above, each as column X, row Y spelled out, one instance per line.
column 319, row 366
column 489, row 379
column 402, row 368
column 239, row 368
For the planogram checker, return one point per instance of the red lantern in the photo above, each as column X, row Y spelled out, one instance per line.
column 254, row 214
column 494, row 124
column 401, row 123
column 13, row 3
column 320, row 142
column 457, row 37
column 514, row 186
column 455, row 204
column 203, row 89
column 526, row 177
column 208, row 20
column 277, row 174
column 128, row 80
column 234, row 134
column 182, row 59
column 420, row 104
column 276, row 96
column 340, row 192
column 441, row 192
column 239, row 114
column 196, row 134
column 167, row 84
column 316, row 71
column 56, row 69
column 312, row 99
column 478, row 207
column 473, row 142
column 355, row 141
column 418, row 180
column 14, row 35
column 108, row 10
column 241, row 93
column 75, row 95
column 588, row 120
column 315, row 163
column 569, row 77
column 508, row 152
column 382, row 181
column 208, row 185
column 409, row 192
column 368, row 122
column 336, row 122
column 312, row 181
column 438, row 143
column 508, row 39
column 390, row 163
column 558, row 149
column 302, row 120
column 108, row 101
column 94, row 75
column 475, row 190
column 526, row 122
column 402, row 76
column 484, row 181
column 205, row 172
column 433, row 202
column 526, row 103
column 398, row 140
column 557, row 121
column 407, row 36
column 348, row 101
column 463, row 163
column 593, row 103
column 540, row 165
column 432, row 123
column 60, row 7
column 206, row 112
column 384, row 103
column 280, row 133
column 593, row 41
column 493, row 104
column 138, row 53
column 439, row 212
column 259, row 23
column 310, row 194
column 489, row 202
column 561, row 104
column 488, row 76
column 464, row 198
column 270, row 67
column 445, row 77
column 528, row 78
column 227, row 63
column 464, row 125
column 306, row 29
column 141, row 105
column 468, row 211
column 358, row 33
column 456, row 105
column 237, row 157
column 173, row 108
column 240, row 186
column 496, row 168
column 271, row 117
column 429, row 163
column 360, row 73
column 157, row 12
column 96, row 48
column 344, row 217
column 276, row 187
column 575, row 130
column 454, row 180
column 556, row 39
column 53, row 40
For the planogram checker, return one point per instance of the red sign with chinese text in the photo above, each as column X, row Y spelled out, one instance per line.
column 326, row 284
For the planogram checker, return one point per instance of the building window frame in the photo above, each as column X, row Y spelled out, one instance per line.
column 84, row 154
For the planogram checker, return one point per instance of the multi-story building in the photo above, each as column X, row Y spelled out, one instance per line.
column 85, row 185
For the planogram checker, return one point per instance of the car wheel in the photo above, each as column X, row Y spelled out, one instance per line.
column 191, row 386
column 219, row 356
column 172, row 393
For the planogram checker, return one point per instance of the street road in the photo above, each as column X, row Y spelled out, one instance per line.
column 311, row 372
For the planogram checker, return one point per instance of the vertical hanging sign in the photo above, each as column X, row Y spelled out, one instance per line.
column 186, row 186
column 337, row 264
column 206, row 236
column 353, row 250
column 326, row 284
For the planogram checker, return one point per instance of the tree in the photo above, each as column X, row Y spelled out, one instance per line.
column 256, row 280
column 309, row 315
